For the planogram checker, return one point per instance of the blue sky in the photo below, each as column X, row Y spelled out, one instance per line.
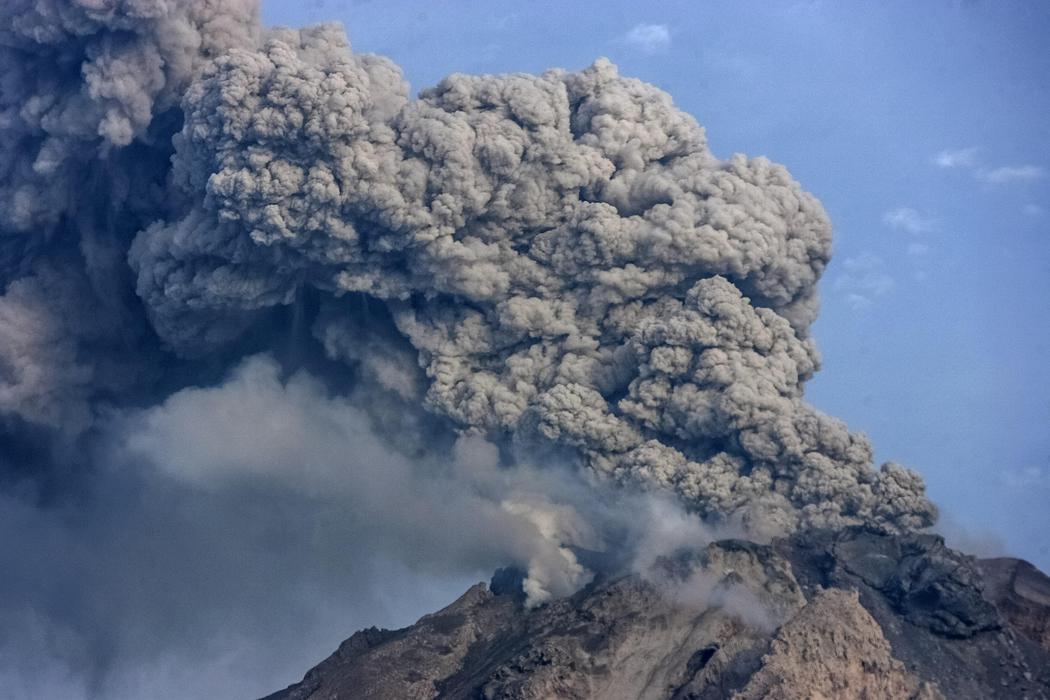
column 923, row 128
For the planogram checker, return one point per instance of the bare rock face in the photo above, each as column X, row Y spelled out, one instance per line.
column 644, row 637
column 929, row 584
column 852, row 614
column 833, row 649
column 409, row 663
column 1022, row 594
column 933, row 606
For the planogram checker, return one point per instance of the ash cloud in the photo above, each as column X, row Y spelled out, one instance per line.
column 261, row 309
column 565, row 255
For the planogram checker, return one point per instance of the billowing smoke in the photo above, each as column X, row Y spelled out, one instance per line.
column 563, row 253
column 239, row 260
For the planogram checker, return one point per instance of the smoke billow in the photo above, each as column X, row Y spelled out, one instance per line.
column 241, row 260
column 564, row 254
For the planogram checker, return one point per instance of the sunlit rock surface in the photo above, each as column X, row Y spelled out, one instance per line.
column 852, row 614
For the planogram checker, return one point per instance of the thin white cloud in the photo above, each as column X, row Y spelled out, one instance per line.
column 917, row 250
column 1028, row 477
column 910, row 220
column 1032, row 209
column 957, row 158
column 863, row 281
column 650, row 38
column 1008, row 174
column 1003, row 175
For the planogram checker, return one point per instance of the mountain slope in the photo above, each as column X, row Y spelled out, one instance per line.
column 853, row 614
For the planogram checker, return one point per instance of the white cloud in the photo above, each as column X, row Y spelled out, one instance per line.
column 1032, row 209
column 918, row 249
column 1010, row 173
column 910, row 220
column 957, row 158
column 650, row 38
column 863, row 281
column 1003, row 175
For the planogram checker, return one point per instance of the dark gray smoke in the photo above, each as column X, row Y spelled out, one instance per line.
column 242, row 266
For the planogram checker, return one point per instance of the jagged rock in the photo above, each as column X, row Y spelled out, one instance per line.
column 929, row 601
column 852, row 614
column 930, row 584
column 833, row 649
column 408, row 663
column 1021, row 592
column 644, row 638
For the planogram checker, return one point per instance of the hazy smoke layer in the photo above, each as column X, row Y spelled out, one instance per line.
column 248, row 281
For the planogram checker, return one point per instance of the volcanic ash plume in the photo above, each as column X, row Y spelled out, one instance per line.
column 245, row 277
column 553, row 261
column 563, row 252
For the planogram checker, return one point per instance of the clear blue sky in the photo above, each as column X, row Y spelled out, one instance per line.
column 925, row 130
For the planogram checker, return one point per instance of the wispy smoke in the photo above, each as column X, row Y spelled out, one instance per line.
column 458, row 507
column 247, row 278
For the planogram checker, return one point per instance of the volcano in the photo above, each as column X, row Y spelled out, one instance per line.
column 851, row 614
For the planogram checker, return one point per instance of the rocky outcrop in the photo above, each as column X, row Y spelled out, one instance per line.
column 932, row 606
column 645, row 637
column 409, row 663
column 833, row 649
column 1021, row 593
column 854, row 614
column 924, row 581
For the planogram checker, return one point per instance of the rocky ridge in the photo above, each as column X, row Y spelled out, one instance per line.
column 852, row 614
